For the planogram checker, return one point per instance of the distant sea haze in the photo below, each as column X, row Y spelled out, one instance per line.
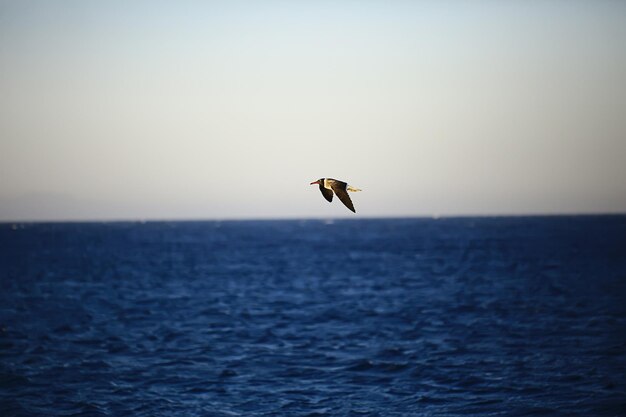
column 503, row 316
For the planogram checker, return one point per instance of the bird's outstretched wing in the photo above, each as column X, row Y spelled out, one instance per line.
column 339, row 187
column 328, row 194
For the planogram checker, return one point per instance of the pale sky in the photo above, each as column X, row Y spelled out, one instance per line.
column 218, row 110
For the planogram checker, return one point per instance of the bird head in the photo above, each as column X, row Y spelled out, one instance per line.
column 320, row 181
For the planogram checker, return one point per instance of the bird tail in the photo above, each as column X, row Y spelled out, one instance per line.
column 353, row 189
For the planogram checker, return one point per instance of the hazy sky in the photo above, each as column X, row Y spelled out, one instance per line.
column 198, row 109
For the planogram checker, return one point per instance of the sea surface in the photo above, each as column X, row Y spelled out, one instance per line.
column 503, row 316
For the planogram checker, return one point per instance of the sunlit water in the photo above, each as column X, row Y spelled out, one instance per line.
column 422, row 317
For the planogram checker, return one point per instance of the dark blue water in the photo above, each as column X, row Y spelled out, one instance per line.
column 420, row 317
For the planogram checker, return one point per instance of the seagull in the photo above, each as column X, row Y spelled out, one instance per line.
column 329, row 185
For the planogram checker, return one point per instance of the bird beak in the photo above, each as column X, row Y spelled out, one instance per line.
column 315, row 182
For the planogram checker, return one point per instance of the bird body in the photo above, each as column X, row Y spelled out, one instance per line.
column 330, row 187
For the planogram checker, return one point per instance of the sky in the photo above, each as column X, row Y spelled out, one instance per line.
column 140, row 110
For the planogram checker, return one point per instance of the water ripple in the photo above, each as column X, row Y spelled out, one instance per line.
column 485, row 316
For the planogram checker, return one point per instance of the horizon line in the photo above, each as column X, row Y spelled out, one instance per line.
column 307, row 218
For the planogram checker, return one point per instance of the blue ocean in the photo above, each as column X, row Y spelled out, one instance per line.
column 487, row 316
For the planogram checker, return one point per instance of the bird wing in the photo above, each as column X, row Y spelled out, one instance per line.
column 339, row 187
column 328, row 194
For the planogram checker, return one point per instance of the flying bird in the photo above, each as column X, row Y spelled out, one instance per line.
column 328, row 186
